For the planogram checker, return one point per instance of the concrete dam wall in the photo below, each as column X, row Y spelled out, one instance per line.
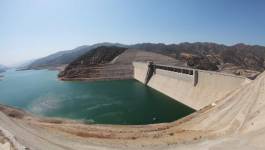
column 192, row 87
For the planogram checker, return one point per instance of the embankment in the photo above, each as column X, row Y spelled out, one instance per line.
column 194, row 88
column 235, row 122
column 105, row 63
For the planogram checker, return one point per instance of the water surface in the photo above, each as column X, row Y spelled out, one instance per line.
column 106, row 102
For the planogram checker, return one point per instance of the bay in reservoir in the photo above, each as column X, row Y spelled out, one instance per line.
column 103, row 102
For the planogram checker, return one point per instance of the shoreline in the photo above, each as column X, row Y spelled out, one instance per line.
column 1, row 77
column 106, row 136
column 215, row 126
column 94, row 79
column 52, row 68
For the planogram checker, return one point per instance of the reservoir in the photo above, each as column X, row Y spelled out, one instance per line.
column 126, row 102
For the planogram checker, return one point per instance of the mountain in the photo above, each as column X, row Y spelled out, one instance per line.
column 2, row 68
column 65, row 57
column 90, row 62
column 110, row 63
column 21, row 65
column 174, row 50
column 240, row 59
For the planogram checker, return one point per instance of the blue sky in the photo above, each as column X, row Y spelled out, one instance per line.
column 35, row 28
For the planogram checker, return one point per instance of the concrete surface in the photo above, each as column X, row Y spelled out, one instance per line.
column 211, row 86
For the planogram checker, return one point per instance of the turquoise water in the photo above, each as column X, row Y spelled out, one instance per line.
column 105, row 102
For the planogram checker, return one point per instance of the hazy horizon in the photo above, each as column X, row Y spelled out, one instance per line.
column 32, row 29
column 12, row 64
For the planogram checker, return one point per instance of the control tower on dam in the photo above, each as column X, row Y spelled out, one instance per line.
column 192, row 87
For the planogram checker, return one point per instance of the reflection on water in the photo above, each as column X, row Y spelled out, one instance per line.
column 107, row 102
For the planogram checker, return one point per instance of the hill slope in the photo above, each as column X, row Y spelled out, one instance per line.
column 212, row 56
column 238, row 59
column 104, row 63
column 2, row 68
column 64, row 57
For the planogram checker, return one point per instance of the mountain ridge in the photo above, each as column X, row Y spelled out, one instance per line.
column 238, row 59
column 64, row 57
column 110, row 63
column 2, row 68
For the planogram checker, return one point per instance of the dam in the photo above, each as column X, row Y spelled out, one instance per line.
column 235, row 121
column 192, row 87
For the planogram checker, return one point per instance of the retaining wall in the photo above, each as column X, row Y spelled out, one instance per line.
column 210, row 86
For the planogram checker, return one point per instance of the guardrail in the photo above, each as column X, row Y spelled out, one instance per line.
column 175, row 69
column 184, row 71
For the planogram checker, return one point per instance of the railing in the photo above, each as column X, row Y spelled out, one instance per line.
column 185, row 71
column 175, row 69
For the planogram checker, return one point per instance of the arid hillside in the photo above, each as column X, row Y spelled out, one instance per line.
column 239, row 59
column 104, row 63
column 243, row 60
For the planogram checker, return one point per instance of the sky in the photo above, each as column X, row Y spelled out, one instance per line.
column 35, row 28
